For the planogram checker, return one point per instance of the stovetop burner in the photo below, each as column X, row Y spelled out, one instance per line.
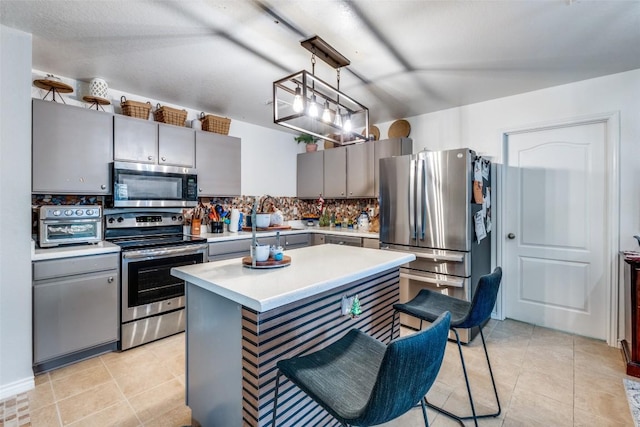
column 147, row 229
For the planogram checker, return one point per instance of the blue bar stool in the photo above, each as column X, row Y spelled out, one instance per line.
column 361, row 382
column 429, row 305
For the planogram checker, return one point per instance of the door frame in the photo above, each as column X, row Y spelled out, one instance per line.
column 612, row 211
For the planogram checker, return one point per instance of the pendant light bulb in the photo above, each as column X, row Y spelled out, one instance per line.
column 347, row 123
column 313, row 107
column 298, row 106
column 326, row 114
column 337, row 122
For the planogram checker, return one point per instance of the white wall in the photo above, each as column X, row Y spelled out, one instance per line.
column 16, row 375
column 480, row 126
column 268, row 155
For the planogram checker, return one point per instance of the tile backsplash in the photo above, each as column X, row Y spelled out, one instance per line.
column 292, row 208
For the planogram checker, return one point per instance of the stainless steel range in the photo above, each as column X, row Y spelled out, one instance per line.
column 152, row 300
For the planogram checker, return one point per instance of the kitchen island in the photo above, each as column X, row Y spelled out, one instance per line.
column 241, row 321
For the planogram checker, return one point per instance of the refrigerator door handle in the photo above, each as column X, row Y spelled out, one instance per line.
column 412, row 200
column 422, row 197
column 436, row 258
column 458, row 283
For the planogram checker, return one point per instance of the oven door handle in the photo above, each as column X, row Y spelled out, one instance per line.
column 144, row 253
column 458, row 283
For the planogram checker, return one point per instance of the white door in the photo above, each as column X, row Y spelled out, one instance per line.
column 556, row 242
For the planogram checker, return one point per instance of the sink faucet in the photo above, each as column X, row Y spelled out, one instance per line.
column 254, row 240
column 271, row 199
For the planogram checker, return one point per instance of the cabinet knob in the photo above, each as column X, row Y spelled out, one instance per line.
column 150, row 158
column 104, row 187
column 110, row 279
column 164, row 159
column 511, row 236
column 200, row 190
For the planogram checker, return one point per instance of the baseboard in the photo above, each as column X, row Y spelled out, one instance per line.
column 16, row 387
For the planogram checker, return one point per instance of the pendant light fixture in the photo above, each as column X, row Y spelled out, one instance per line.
column 297, row 100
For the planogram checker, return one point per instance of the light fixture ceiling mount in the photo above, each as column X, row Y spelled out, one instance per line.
column 297, row 99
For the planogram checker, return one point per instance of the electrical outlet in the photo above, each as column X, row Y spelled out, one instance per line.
column 347, row 302
column 295, row 210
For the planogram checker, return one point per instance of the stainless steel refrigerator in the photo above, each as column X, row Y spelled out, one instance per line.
column 428, row 207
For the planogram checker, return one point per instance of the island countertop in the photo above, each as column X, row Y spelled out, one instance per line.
column 313, row 270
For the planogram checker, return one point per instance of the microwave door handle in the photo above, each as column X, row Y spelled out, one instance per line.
column 412, row 199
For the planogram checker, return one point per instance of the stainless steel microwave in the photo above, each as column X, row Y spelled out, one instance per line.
column 145, row 185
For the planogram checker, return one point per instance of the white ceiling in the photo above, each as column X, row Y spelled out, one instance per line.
column 408, row 57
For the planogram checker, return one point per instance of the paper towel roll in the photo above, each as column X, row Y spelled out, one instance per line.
column 233, row 220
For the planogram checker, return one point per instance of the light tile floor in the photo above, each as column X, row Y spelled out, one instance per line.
column 545, row 378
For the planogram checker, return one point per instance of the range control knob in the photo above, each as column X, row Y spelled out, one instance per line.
column 173, row 218
column 68, row 212
column 111, row 220
column 180, row 218
column 79, row 212
column 89, row 211
column 120, row 219
column 57, row 212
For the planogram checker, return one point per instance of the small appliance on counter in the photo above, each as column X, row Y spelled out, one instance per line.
column 69, row 224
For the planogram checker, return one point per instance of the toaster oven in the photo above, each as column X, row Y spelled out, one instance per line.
column 71, row 224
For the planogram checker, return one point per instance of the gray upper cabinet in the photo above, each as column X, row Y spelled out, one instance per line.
column 218, row 164
column 310, row 175
column 388, row 148
column 335, row 172
column 135, row 140
column 145, row 141
column 360, row 182
column 72, row 149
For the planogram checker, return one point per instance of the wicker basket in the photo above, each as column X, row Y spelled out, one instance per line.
column 135, row 109
column 170, row 115
column 216, row 124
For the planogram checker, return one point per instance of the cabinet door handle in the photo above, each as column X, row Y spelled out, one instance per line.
column 103, row 187
column 164, row 159
column 110, row 279
column 150, row 158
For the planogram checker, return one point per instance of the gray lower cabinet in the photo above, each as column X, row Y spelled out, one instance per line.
column 370, row 243
column 218, row 164
column 310, row 175
column 75, row 309
column 293, row 241
column 343, row 240
column 72, row 149
column 235, row 248
column 242, row 247
column 146, row 141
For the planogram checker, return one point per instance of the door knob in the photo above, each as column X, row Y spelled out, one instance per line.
column 511, row 236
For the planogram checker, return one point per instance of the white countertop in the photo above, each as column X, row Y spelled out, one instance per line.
column 313, row 270
column 220, row 237
column 69, row 251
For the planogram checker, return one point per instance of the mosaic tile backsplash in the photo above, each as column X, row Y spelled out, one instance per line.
column 292, row 208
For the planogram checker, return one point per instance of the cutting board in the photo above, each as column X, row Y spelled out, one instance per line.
column 271, row 228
